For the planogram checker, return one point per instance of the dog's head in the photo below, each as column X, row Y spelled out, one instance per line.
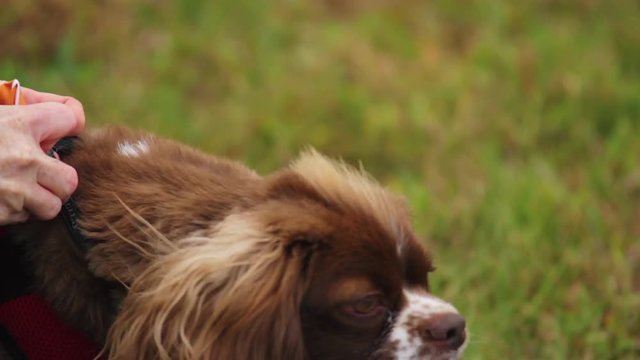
column 322, row 264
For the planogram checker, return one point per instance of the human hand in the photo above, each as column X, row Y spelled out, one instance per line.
column 32, row 183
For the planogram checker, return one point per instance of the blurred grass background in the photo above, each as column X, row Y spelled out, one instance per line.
column 512, row 127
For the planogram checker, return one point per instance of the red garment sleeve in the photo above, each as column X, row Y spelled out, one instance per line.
column 38, row 331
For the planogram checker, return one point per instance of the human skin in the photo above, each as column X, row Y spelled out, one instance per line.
column 32, row 183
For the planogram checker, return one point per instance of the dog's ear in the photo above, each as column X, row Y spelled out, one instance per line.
column 303, row 248
column 234, row 294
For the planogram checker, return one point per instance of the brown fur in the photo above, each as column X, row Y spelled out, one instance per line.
column 199, row 257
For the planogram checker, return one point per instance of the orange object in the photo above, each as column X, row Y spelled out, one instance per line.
column 10, row 93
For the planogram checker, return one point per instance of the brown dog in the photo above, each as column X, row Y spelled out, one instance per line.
column 190, row 256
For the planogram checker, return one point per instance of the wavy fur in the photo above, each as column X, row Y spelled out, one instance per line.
column 230, row 289
column 198, row 257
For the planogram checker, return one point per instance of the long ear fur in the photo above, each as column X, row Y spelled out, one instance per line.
column 232, row 295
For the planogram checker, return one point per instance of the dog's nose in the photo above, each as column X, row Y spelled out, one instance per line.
column 445, row 331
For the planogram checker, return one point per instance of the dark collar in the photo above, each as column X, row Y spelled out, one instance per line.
column 70, row 213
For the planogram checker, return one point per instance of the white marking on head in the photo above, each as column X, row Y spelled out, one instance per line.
column 408, row 345
column 135, row 149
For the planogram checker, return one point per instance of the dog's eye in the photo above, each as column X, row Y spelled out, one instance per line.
column 365, row 307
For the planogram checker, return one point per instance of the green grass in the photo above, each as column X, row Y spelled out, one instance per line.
column 512, row 127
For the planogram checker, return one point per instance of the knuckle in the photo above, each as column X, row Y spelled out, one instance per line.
column 32, row 162
column 70, row 100
column 8, row 215
column 13, row 196
column 4, row 216
column 21, row 160
column 50, row 166
column 28, row 160
column 51, row 209
column 21, row 217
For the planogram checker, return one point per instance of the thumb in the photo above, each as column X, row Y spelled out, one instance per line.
column 35, row 97
column 49, row 122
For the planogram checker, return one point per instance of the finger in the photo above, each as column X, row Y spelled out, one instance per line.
column 48, row 121
column 58, row 177
column 13, row 218
column 11, row 204
column 42, row 204
column 35, row 97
